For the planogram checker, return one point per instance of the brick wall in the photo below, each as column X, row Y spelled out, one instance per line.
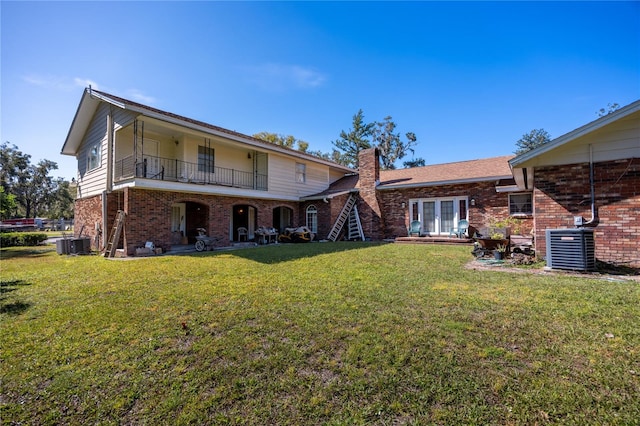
column 562, row 192
column 324, row 217
column 369, row 204
column 149, row 215
column 489, row 206
column 87, row 212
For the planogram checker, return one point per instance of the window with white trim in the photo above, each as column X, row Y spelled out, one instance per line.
column 312, row 218
column 93, row 157
column 301, row 171
column 520, row 204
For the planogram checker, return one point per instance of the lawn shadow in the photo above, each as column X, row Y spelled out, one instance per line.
column 273, row 253
column 616, row 269
column 25, row 252
column 15, row 307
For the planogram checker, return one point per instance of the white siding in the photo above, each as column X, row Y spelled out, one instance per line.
column 335, row 175
column 93, row 182
column 619, row 140
column 282, row 177
column 174, row 142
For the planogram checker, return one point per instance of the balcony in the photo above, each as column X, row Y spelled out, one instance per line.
column 172, row 170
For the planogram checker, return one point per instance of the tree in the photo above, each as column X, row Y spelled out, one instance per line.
column 13, row 165
column 389, row 143
column 355, row 140
column 611, row 107
column 7, row 204
column 61, row 203
column 36, row 189
column 32, row 188
column 532, row 140
column 282, row 140
column 418, row 162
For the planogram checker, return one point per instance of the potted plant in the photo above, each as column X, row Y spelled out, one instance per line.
column 497, row 236
column 491, row 238
column 499, row 251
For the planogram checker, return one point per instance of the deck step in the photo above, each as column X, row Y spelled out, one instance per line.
column 434, row 240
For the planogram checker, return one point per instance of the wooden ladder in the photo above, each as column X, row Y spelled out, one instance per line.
column 347, row 212
column 114, row 236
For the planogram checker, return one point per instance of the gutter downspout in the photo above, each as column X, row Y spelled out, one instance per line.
column 594, row 213
column 110, row 143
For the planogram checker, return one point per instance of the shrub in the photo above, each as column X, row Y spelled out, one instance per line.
column 15, row 239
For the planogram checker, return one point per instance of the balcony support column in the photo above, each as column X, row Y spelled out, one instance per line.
column 110, row 145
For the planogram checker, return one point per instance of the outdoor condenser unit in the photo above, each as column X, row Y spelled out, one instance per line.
column 80, row 246
column 572, row 249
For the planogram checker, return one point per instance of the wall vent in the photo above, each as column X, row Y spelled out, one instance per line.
column 572, row 249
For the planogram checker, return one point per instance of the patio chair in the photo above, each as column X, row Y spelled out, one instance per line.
column 461, row 230
column 242, row 232
column 414, row 228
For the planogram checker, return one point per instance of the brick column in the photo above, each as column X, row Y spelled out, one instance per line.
column 368, row 205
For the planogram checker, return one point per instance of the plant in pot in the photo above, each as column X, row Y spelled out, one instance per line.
column 497, row 236
column 500, row 251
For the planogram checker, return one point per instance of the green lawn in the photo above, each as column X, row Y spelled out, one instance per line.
column 326, row 333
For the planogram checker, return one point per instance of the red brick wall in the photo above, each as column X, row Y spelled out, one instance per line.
column 324, row 217
column 87, row 212
column 369, row 207
column 149, row 215
column 490, row 206
column 562, row 192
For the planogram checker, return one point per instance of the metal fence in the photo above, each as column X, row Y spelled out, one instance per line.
column 173, row 170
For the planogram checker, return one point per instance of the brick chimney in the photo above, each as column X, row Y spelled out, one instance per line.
column 368, row 207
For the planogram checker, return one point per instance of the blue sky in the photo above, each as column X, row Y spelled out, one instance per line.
column 468, row 78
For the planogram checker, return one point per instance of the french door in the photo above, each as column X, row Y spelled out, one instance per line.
column 438, row 216
column 150, row 158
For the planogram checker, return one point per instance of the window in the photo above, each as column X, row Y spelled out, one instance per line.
column 301, row 171
column 205, row 159
column 520, row 204
column 312, row 219
column 93, row 157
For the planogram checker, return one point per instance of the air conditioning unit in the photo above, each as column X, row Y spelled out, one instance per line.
column 80, row 245
column 572, row 249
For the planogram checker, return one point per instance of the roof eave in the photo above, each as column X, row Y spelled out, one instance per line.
column 522, row 159
column 329, row 196
column 384, row 187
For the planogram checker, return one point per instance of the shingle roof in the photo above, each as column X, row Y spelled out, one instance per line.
column 481, row 170
column 484, row 169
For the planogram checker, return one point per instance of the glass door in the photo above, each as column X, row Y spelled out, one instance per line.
column 429, row 223
column 447, row 216
column 150, row 159
column 438, row 216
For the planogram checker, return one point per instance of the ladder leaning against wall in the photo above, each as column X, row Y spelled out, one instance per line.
column 114, row 235
column 349, row 215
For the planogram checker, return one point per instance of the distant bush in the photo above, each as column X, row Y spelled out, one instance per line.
column 15, row 239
